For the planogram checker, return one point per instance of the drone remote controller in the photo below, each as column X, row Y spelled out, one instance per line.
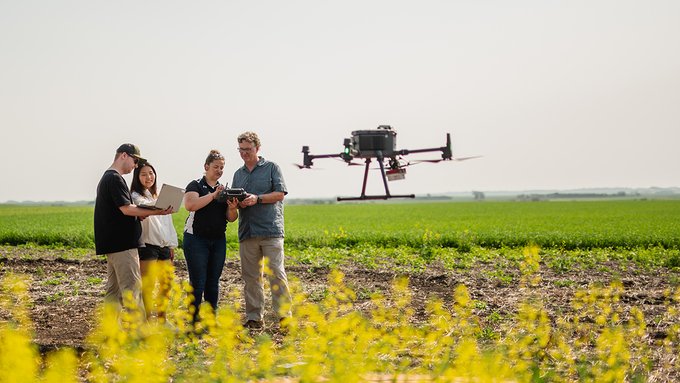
column 229, row 194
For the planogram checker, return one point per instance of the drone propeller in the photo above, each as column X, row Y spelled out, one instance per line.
column 348, row 163
column 306, row 167
column 441, row 159
column 465, row 158
column 430, row 161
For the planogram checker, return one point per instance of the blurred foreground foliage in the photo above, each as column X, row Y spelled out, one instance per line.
column 331, row 339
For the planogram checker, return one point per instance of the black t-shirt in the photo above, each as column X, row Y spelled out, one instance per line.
column 209, row 221
column 113, row 230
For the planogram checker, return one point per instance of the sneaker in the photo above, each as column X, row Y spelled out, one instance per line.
column 255, row 324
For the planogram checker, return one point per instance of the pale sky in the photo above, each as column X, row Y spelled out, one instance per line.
column 554, row 94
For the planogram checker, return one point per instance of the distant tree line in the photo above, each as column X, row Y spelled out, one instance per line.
column 310, row 201
column 479, row 196
column 542, row 197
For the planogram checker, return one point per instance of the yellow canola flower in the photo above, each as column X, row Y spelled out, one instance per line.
column 19, row 360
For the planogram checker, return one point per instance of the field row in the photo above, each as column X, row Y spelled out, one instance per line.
column 462, row 226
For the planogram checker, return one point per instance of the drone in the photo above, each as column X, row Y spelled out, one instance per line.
column 380, row 144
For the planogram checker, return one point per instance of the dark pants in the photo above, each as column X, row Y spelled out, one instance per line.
column 205, row 261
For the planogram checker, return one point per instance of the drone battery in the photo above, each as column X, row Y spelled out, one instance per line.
column 396, row 174
column 368, row 142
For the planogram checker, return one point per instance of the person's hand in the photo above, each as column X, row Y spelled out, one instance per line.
column 172, row 255
column 165, row 211
column 250, row 200
column 217, row 191
column 233, row 203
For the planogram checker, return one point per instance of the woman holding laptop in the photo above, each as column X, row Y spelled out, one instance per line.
column 158, row 232
column 205, row 245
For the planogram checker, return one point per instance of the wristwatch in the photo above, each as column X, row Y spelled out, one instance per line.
column 259, row 199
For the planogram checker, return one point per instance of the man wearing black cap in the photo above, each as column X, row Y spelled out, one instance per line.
column 117, row 228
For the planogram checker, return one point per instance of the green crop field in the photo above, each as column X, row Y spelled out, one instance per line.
column 47, row 225
column 565, row 225
column 569, row 225
column 411, row 236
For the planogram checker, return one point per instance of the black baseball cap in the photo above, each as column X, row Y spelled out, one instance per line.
column 133, row 151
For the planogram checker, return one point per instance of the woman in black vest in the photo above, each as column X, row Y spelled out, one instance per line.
column 205, row 246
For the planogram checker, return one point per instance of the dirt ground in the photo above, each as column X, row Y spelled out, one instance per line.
column 66, row 290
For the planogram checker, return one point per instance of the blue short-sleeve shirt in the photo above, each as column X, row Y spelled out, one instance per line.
column 261, row 220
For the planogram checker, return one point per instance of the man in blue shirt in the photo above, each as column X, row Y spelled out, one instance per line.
column 261, row 232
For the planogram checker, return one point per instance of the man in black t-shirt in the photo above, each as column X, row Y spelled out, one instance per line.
column 118, row 229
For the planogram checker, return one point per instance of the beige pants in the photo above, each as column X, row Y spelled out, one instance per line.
column 253, row 252
column 124, row 275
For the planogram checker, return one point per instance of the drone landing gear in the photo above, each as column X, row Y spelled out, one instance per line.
column 384, row 177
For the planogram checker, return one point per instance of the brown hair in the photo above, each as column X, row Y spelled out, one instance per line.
column 214, row 155
column 136, row 185
column 249, row 137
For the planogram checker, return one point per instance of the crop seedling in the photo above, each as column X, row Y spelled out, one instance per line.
column 318, row 294
column 479, row 305
column 494, row 317
column 58, row 296
column 567, row 283
column 500, row 276
column 487, row 333
column 673, row 280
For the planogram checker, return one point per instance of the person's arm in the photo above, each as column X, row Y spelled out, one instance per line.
column 193, row 202
column 232, row 210
column 135, row 211
column 174, row 242
column 137, row 198
column 272, row 197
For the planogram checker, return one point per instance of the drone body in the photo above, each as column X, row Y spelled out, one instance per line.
column 380, row 144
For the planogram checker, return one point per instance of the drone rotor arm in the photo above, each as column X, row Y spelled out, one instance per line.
column 404, row 152
column 308, row 159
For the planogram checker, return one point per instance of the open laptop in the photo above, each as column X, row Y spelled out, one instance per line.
column 169, row 196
